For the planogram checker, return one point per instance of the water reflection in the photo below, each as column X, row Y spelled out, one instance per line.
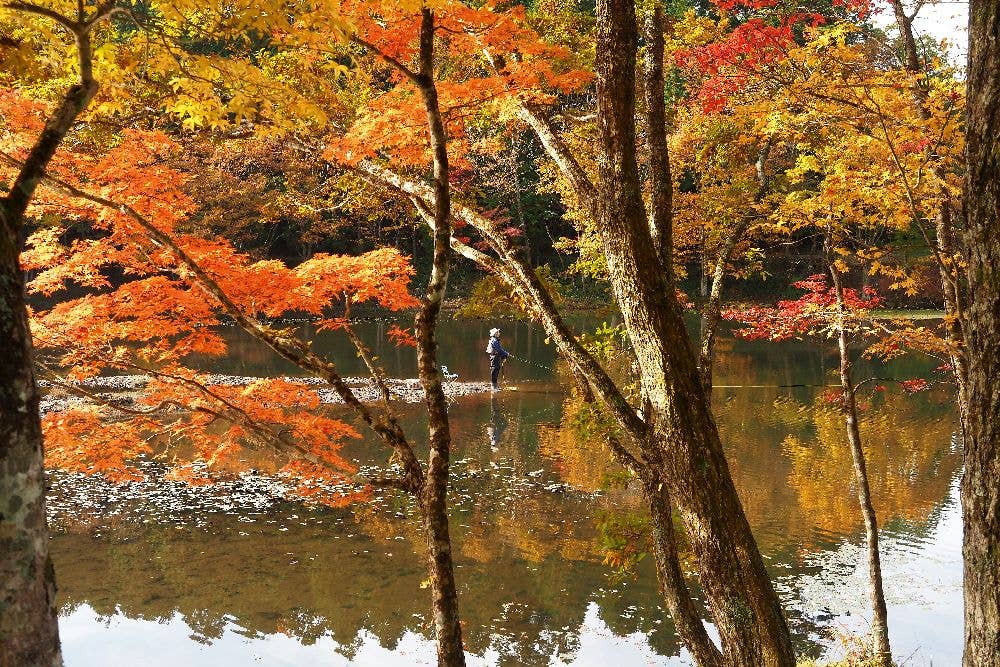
column 289, row 585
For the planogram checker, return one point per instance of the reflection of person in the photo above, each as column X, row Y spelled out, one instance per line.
column 497, row 425
column 498, row 355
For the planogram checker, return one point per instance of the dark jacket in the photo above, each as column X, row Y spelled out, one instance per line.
column 496, row 351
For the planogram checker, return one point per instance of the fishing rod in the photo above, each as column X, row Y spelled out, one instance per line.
column 530, row 363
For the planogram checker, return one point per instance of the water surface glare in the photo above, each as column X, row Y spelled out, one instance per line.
column 163, row 581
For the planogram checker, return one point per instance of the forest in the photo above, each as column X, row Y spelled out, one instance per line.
column 499, row 332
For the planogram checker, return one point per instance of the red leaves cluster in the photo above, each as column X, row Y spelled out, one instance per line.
column 915, row 385
column 401, row 336
column 761, row 40
column 812, row 312
column 860, row 8
column 730, row 65
column 80, row 440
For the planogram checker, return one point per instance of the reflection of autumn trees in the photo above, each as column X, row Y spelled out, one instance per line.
column 577, row 446
column 335, row 579
column 911, row 462
column 792, row 461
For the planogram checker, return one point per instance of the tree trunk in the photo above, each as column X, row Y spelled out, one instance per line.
column 944, row 247
column 434, row 495
column 28, row 621
column 744, row 604
column 28, row 625
column 981, row 481
column 673, row 587
column 880, row 622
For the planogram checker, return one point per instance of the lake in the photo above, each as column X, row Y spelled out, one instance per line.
column 161, row 581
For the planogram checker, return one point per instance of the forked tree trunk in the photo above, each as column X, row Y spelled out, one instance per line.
column 981, row 481
column 744, row 604
column 880, row 622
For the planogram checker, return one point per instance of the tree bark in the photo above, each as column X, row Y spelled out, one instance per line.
column 744, row 604
column 661, row 221
column 28, row 619
column 28, row 625
column 880, row 622
column 981, row 481
column 434, row 495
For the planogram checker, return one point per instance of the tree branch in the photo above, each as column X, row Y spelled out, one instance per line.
column 514, row 271
column 397, row 64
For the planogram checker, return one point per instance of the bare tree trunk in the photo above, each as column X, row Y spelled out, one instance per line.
column 743, row 601
column 880, row 622
column 434, row 495
column 981, row 481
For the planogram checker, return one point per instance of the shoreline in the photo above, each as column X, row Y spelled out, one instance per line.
column 125, row 389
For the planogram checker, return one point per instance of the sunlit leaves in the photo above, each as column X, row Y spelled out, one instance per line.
column 491, row 60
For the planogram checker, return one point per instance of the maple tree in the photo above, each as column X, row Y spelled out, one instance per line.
column 833, row 311
column 786, row 120
column 98, row 328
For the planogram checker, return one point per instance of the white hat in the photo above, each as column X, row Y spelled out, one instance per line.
column 494, row 332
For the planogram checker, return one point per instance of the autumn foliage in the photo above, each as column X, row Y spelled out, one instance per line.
column 141, row 313
column 817, row 314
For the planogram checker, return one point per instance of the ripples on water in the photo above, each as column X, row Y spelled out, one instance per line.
column 271, row 583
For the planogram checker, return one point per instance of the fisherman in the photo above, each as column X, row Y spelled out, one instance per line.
column 498, row 355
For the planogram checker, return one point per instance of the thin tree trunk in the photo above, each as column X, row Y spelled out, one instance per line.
column 744, row 604
column 981, row 481
column 944, row 248
column 434, row 495
column 880, row 622
column 712, row 312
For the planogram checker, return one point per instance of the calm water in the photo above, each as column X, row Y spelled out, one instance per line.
column 289, row 585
